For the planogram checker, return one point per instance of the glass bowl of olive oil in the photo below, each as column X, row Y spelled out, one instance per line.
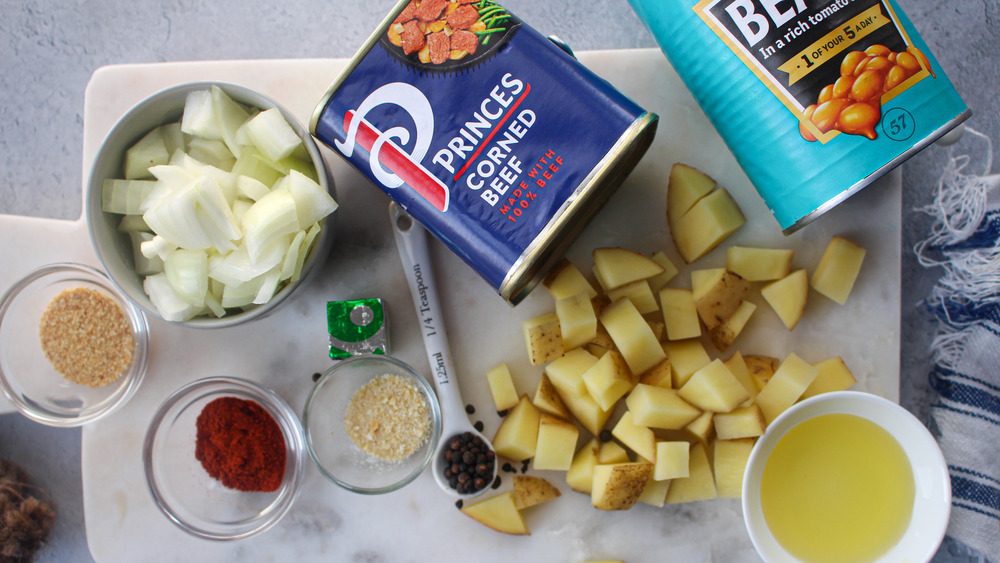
column 846, row 477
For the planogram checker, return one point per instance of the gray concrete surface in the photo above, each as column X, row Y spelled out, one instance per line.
column 50, row 48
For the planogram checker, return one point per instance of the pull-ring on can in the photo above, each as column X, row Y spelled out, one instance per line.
column 488, row 133
column 816, row 98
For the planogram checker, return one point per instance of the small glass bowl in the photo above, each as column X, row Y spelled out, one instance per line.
column 28, row 378
column 932, row 483
column 336, row 454
column 182, row 489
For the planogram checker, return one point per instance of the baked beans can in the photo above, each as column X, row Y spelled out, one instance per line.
column 489, row 134
column 816, row 98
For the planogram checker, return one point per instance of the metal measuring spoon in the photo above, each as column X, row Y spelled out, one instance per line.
column 411, row 242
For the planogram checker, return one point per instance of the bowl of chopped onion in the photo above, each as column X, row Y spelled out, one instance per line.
column 208, row 204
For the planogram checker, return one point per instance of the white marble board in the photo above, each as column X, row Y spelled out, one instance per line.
column 420, row 523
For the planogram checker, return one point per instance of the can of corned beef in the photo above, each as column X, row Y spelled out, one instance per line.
column 815, row 98
column 499, row 142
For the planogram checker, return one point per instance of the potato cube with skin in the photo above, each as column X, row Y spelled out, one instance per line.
column 672, row 460
column 686, row 357
column 738, row 367
column 566, row 373
column 556, row 443
column 680, row 316
column 717, row 295
column 708, row 223
column 517, row 437
column 566, row 280
column 657, row 282
column 702, row 428
column 547, row 399
column 699, row 484
column 611, row 452
column 531, row 491
column 639, row 293
column 834, row 375
column 616, row 266
column 502, row 388
column 577, row 320
column 656, row 407
column 729, row 464
column 500, row 513
column 761, row 368
column 785, row 387
column 659, row 375
column 639, row 439
column 580, row 476
column 742, row 422
column 714, row 388
column 543, row 337
column 787, row 297
column 608, row 380
column 759, row 264
column 838, row 269
column 632, row 336
column 723, row 335
column 618, row 486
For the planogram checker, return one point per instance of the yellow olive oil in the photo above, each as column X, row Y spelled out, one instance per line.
column 837, row 488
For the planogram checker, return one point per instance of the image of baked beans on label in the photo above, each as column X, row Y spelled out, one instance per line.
column 448, row 35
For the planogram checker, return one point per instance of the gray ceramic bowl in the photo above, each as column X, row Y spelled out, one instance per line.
column 114, row 248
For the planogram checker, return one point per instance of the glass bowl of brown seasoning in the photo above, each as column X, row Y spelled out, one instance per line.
column 372, row 424
column 74, row 349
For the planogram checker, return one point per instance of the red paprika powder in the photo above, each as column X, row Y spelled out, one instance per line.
column 240, row 444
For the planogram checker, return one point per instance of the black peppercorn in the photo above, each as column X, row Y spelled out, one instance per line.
column 470, row 409
column 470, row 463
column 479, row 425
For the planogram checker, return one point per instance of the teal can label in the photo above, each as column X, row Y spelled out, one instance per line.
column 816, row 99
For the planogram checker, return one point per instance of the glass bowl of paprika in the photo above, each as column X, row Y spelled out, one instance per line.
column 224, row 458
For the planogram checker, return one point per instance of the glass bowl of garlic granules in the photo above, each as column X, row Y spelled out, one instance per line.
column 372, row 424
column 73, row 348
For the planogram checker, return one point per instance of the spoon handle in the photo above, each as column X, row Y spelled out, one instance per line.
column 411, row 242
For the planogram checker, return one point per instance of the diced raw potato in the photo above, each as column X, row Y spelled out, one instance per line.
column 566, row 280
column 543, row 337
column 834, row 375
column 738, row 367
column 657, row 407
column 531, row 491
column 517, row 436
column 686, row 357
column 659, row 375
column 655, row 492
column 187, row 272
column 657, row 282
column 171, row 306
column 566, row 373
column 502, row 388
column 611, row 452
column 500, row 513
column 616, row 266
column 577, row 320
column 547, row 399
column 730, row 462
column 742, row 422
column 699, row 484
column 587, row 412
column 618, row 486
column 580, row 476
column 680, row 316
column 708, row 223
column 125, row 197
column 639, row 293
column 701, row 428
column 686, row 186
column 838, row 269
column 199, row 116
column 632, row 336
column 717, row 295
column 714, row 388
column 786, row 386
column 639, row 439
column 608, row 380
column 672, row 460
column 556, row 443
column 759, row 264
column 272, row 135
column 267, row 220
column 723, row 335
column 787, row 297
column 149, row 151
column 761, row 368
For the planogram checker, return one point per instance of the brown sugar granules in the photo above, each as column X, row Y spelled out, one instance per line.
column 388, row 418
column 86, row 337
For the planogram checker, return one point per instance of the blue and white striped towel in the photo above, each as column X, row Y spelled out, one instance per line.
column 965, row 242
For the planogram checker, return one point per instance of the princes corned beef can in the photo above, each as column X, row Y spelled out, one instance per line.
column 816, row 98
column 495, row 139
